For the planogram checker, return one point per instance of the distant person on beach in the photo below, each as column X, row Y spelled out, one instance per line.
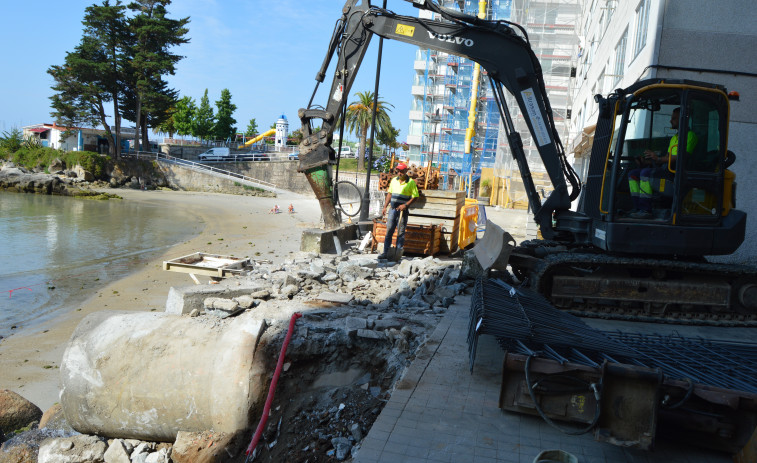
column 291, row 209
column 275, row 210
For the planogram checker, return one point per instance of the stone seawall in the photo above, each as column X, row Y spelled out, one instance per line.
column 283, row 174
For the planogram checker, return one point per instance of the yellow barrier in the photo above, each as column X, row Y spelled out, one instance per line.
column 466, row 232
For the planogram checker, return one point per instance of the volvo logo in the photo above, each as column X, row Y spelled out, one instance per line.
column 450, row 39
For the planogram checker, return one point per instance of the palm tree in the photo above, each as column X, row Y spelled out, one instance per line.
column 359, row 115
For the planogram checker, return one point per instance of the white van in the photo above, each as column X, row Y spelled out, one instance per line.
column 214, row 154
column 346, row 152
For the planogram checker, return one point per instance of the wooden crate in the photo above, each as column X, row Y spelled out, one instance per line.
column 419, row 239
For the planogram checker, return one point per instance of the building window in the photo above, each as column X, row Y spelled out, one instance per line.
column 620, row 58
column 642, row 23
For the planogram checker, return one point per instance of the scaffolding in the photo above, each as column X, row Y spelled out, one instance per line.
column 442, row 87
column 551, row 26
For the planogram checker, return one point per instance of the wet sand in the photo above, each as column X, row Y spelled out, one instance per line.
column 231, row 225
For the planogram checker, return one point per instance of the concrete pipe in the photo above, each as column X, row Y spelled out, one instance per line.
column 149, row 375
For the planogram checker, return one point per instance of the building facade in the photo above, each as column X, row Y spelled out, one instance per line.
column 442, row 91
column 625, row 41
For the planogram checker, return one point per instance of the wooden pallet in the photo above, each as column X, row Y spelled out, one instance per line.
column 419, row 239
column 441, row 208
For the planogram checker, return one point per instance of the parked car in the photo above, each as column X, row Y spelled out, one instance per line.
column 214, row 154
column 294, row 156
column 346, row 152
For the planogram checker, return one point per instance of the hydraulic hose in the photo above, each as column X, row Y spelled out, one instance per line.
column 272, row 388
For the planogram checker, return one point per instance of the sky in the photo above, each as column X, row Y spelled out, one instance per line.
column 266, row 53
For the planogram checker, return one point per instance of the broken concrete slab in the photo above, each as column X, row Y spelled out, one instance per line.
column 183, row 299
column 322, row 241
column 337, row 298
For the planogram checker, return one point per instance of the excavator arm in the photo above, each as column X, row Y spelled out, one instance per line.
column 501, row 47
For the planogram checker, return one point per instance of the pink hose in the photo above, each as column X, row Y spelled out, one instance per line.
column 272, row 389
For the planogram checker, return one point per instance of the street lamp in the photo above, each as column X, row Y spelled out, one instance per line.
column 435, row 120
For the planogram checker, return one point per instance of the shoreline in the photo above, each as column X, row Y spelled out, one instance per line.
column 231, row 225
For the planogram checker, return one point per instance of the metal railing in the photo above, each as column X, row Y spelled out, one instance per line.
column 262, row 184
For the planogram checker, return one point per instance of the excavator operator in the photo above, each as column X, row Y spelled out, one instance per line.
column 643, row 180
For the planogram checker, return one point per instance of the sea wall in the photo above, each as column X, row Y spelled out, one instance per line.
column 283, row 174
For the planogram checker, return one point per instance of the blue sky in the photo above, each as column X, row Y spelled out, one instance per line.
column 265, row 52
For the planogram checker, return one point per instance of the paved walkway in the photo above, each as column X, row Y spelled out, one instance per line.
column 440, row 412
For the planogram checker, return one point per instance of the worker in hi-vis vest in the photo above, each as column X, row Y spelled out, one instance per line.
column 401, row 193
column 643, row 180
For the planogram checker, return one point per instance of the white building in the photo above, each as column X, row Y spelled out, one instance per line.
column 625, row 41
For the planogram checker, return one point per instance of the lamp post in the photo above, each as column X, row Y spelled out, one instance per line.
column 435, row 120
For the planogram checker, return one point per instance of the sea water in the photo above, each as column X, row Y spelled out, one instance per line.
column 56, row 251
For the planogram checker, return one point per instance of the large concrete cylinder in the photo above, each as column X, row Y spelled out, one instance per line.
column 149, row 375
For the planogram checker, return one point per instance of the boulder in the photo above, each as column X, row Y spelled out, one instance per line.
column 16, row 412
column 56, row 165
column 54, row 419
column 83, row 174
column 200, row 447
column 74, row 449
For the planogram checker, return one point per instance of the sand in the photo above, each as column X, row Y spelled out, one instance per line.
column 233, row 225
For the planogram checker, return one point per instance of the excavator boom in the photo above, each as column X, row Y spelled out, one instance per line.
column 501, row 48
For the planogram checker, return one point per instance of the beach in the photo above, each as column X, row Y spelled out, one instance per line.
column 240, row 226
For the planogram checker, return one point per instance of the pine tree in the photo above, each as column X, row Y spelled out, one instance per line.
column 224, row 126
column 93, row 74
column 152, row 36
column 204, row 119
column 252, row 128
column 184, row 116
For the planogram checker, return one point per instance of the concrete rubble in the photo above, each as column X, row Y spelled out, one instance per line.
column 363, row 321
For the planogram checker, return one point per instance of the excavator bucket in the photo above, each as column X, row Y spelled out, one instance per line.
column 493, row 250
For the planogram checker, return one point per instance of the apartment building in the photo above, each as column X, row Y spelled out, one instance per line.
column 623, row 41
column 441, row 91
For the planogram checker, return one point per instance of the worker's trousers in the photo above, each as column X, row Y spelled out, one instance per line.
column 393, row 222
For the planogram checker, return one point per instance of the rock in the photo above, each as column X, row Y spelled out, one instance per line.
column 289, row 291
column 53, row 418
column 471, row 268
column 357, row 433
column 245, row 302
column 117, row 452
column 23, row 453
column 56, row 165
column 74, row 449
column 200, row 447
column 83, row 174
column 16, row 412
column 387, row 323
column 262, row 294
column 342, row 447
column 370, row 334
column 161, row 456
column 352, row 324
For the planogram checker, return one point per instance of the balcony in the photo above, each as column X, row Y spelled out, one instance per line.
column 418, row 90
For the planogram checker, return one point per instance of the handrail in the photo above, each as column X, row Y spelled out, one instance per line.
column 200, row 167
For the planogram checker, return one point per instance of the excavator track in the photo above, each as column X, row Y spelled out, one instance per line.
column 645, row 289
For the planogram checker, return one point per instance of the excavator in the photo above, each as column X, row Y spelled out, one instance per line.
column 601, row 259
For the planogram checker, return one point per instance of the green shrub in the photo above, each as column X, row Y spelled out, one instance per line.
column 43, row 157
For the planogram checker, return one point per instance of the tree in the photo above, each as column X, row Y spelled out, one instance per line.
column 93, row 74
column 152, row 34
column 224, row 126
column 204, row 119
column 358, row 121
column 252, row 128
column 167, row 123
column 184, row 116
column 388, row 137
